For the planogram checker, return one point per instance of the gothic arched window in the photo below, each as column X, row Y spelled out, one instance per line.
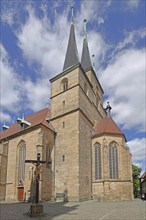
column 65, row 84
column 98, row 168
column 21, row 163
column 113, row 160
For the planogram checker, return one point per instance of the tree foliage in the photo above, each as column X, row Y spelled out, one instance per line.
column 136, row 183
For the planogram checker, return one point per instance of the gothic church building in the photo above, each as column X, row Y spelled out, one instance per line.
column 88, row 152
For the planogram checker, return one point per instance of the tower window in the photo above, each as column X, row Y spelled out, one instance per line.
column 63, row 102
column 63, row 124
column 63, row 158
column 98, row 161
column 113, row 161
column 64, row 84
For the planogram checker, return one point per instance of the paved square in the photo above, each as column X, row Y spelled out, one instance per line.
column 90, row 210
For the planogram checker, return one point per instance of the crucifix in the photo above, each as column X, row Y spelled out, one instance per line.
column 37, row 163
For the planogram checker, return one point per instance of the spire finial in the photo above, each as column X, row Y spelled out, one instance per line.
column 72, row 12
column 85, row 32
column 93, row 64
column 108, row 110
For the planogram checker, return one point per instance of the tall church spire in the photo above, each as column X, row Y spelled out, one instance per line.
column 85, row 59
column 71, row 58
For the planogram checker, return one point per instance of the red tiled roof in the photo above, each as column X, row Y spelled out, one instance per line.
column 35, row 119
column 106, row 126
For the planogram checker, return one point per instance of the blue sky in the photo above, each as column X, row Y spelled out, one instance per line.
column 34, row 37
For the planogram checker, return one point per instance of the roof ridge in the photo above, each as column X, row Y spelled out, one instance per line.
column 45, row 115
column 116, row 125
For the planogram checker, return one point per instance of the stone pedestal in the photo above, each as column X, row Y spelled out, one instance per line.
column 36, row 209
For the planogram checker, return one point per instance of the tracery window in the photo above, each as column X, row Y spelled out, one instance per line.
column 98, row 168
column 21, row 164
column 113, row 160
column 65, row 84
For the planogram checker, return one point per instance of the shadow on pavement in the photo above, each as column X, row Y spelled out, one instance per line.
column 17, row 211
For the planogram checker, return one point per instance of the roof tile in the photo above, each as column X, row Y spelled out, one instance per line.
column 108, row 126
column 35, row 119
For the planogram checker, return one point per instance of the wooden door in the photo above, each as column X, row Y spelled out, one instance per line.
column 20, row 193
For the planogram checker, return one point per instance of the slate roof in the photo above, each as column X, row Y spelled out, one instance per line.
column 38, row 118
column 71, row 58
column 85, row 59
column 106, row 126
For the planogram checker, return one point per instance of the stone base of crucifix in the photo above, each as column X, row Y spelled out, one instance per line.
column 36, row 210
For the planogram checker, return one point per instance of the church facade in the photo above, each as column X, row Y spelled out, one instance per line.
column 88, row 152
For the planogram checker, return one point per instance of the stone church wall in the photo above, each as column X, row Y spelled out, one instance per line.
column 3, row 169
column 66, row 156
column 113, row 189
column 32, row 141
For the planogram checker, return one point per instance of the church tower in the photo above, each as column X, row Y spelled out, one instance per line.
column 76, row 101
column 88, row 152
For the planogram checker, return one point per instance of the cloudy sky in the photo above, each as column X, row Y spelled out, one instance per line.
column 34, row 37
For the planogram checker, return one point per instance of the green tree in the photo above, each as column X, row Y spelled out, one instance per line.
column 136, row 183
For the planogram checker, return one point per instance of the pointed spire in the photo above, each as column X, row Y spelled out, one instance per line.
column 71, row 58
column 85, row 60
column 108, row 110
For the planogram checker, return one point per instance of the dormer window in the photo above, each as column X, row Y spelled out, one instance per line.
column 24, row 124
column 64, row 84
column 5, row 127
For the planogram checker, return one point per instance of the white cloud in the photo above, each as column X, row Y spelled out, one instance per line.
column 138, row 150
column 91, row 11
column 100, row 21
column 42, row 44
column 10, row 84
column 16, row 91
column 130, row 40
column 37, row 94
column 7, row 16
column 132, row 4
column 5, row 117
column 124, row 82
column 48, row 49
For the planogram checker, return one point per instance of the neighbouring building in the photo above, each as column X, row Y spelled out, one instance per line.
column 143, row 184
column 88, row 152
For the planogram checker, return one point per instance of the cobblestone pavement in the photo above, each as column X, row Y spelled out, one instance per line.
column 90, row 210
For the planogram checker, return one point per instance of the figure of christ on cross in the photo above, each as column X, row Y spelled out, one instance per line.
column 37, row 163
